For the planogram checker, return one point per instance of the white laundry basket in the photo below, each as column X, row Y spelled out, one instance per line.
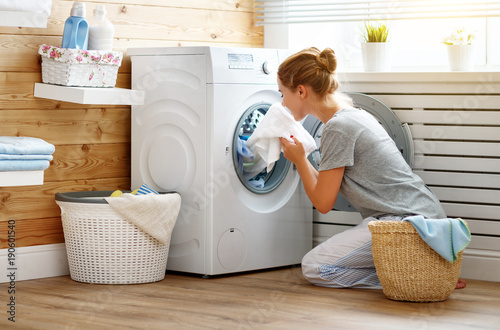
column 105, row 248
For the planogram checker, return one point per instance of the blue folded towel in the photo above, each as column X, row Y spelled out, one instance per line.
column 25, row 157
column 23, row 165
column 20, row 145
column 445, row 236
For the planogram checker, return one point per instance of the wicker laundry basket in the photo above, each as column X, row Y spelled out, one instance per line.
column 105, row 248
column 407, row 267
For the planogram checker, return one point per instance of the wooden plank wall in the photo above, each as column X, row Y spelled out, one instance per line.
column 93, row 142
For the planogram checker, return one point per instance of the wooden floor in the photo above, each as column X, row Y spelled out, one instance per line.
column 277, row 299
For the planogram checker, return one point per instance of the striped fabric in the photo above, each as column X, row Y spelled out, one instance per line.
column 354, row 270
column 145, row 189
column 345, row 260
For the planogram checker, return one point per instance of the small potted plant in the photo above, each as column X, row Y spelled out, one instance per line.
column 375, row 47
column 460, row 49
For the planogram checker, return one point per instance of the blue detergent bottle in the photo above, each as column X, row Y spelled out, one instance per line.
column 76, row 28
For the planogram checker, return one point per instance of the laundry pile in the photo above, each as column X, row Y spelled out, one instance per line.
column 149, row 210
column 19, row 153
column 142, row 190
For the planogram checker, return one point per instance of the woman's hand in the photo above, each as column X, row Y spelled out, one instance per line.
column 293, row 151
column 321, row 188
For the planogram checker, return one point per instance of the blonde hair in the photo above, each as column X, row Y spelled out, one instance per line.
column 311, row 67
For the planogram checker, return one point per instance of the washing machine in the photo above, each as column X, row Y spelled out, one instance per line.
column 199, row 103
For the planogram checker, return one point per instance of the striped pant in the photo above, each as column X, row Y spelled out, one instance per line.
column 345, row 260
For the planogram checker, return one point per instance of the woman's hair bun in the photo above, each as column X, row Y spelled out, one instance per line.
column 327, row 60
column 310, row 67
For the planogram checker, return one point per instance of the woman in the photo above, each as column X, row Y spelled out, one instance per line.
column 359, row 159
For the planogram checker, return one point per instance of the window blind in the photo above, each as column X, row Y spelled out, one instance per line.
column 319, row 11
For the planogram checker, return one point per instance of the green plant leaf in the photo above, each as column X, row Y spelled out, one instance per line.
column 375, row 32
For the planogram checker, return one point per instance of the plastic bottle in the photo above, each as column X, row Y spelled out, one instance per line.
column 76, row 28
column 101, row 30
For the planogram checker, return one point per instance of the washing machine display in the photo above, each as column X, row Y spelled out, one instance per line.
column 258, row 181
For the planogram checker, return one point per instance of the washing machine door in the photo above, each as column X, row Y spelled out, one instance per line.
column 399, row 132
column 257, row 181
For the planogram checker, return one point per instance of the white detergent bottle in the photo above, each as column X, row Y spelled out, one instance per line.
column 101, row 31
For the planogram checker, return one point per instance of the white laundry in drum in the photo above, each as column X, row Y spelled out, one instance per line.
column 265, row 144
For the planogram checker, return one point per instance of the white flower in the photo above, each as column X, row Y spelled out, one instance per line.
column 460, row 37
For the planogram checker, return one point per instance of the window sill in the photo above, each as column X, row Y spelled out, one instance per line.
column 412, row 82
column 422, row 76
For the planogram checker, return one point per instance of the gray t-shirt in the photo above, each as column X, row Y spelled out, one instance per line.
column 377, row 180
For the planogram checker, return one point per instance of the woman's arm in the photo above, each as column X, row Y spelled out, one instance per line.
column 321, row 187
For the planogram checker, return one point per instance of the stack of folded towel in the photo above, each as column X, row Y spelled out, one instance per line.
column 24, row 154
column 42, row 7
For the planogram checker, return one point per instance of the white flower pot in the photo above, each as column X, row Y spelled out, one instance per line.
column 377, row 56
column 461, row 57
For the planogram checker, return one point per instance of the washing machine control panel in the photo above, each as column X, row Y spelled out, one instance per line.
column 246, row 62
column 247, row 65
column 268, row 67
column 240, row 61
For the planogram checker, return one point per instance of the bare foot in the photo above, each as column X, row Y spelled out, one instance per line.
column 460, row 284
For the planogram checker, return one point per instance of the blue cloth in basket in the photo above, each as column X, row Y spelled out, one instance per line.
column 445, row 236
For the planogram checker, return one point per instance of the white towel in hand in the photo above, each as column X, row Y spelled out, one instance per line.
column 154, row 214
column 265, row 143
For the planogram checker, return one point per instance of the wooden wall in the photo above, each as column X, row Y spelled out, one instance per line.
column 93, row 142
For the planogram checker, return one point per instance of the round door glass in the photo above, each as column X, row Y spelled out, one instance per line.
column 252, row 176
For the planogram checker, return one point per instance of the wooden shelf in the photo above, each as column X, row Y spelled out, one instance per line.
column 21, row 178
column 89, row 95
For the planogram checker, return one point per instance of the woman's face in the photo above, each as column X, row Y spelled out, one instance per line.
column 291, row 101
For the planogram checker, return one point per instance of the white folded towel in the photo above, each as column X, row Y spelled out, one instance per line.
column 32, row 6
column 265, row 143
column 154, row 214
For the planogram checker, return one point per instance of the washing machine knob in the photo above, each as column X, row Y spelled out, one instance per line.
column 267, row 67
